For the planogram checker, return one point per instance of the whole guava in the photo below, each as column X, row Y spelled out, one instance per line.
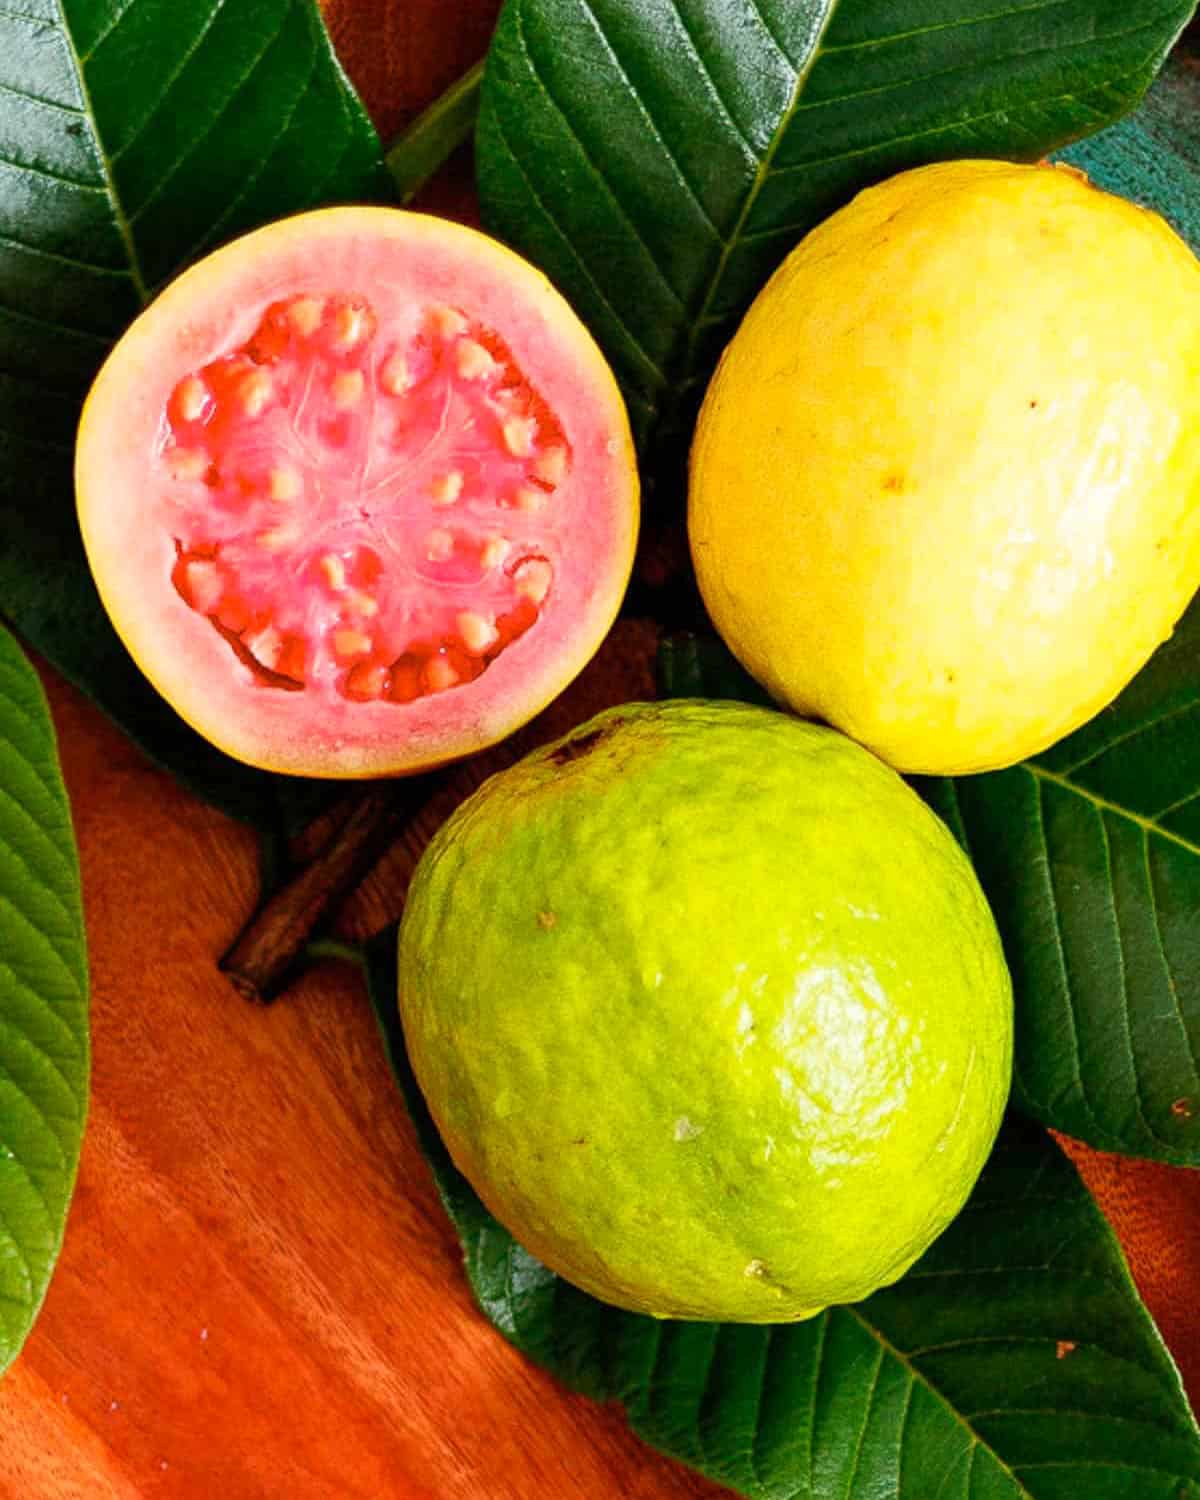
column 710, row 1010
column 945, row 486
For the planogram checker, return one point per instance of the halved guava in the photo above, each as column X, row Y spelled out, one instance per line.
column 358, row 493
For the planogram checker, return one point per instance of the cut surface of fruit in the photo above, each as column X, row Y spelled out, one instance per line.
column 358, row 493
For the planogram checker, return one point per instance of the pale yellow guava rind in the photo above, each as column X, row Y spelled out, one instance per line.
column 945, row 487
column 709, row 1008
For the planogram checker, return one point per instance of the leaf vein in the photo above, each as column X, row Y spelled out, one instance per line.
column 655, row 373
column 593, row 166
column 589, row 11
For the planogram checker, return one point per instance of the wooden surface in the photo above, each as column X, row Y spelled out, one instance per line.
column 259, row 1295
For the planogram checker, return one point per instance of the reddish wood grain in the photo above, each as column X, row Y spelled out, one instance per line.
column 259, row 1296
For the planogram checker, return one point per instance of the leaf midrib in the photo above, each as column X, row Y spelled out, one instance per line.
column 120, row 218
column 761, row 176
column 915, row 1375
column 1054, row 778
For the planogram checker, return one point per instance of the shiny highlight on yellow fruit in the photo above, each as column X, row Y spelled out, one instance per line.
column 945, row 487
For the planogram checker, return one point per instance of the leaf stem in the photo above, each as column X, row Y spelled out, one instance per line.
column 349, row 953
column 268, row 950
column 435, row 135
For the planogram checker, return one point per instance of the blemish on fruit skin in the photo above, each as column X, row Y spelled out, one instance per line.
column 894, row 483
column 1064, row 1347
column 577, row 748
column 685, row 1130
column 547, row 921
column 1183, row 1109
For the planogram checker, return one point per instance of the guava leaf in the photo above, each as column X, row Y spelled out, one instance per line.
column 1014, row 1362
column 43, row 1001
column 658, row 158
column 135, row 135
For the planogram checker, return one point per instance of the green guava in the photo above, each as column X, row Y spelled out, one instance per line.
column 710, row 1010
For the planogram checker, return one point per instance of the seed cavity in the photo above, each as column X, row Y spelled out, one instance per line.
column 284, row 470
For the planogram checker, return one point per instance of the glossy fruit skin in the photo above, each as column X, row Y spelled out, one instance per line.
column 709, row 1008
column 945, row 486
column 211, row 309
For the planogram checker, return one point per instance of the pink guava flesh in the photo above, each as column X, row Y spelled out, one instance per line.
column 365, row 499
column 364, row 511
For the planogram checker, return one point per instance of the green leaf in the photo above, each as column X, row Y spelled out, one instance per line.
column 135, row 135
column 43, row 1001
column 1014, row 1362
column 658, row 158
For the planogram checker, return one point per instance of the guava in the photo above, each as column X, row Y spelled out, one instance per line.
column 709, row 1009
column 945, row 486
column 358, row 493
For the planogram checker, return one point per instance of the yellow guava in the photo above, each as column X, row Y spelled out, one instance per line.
column 710, row 1009
column 945, row 487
